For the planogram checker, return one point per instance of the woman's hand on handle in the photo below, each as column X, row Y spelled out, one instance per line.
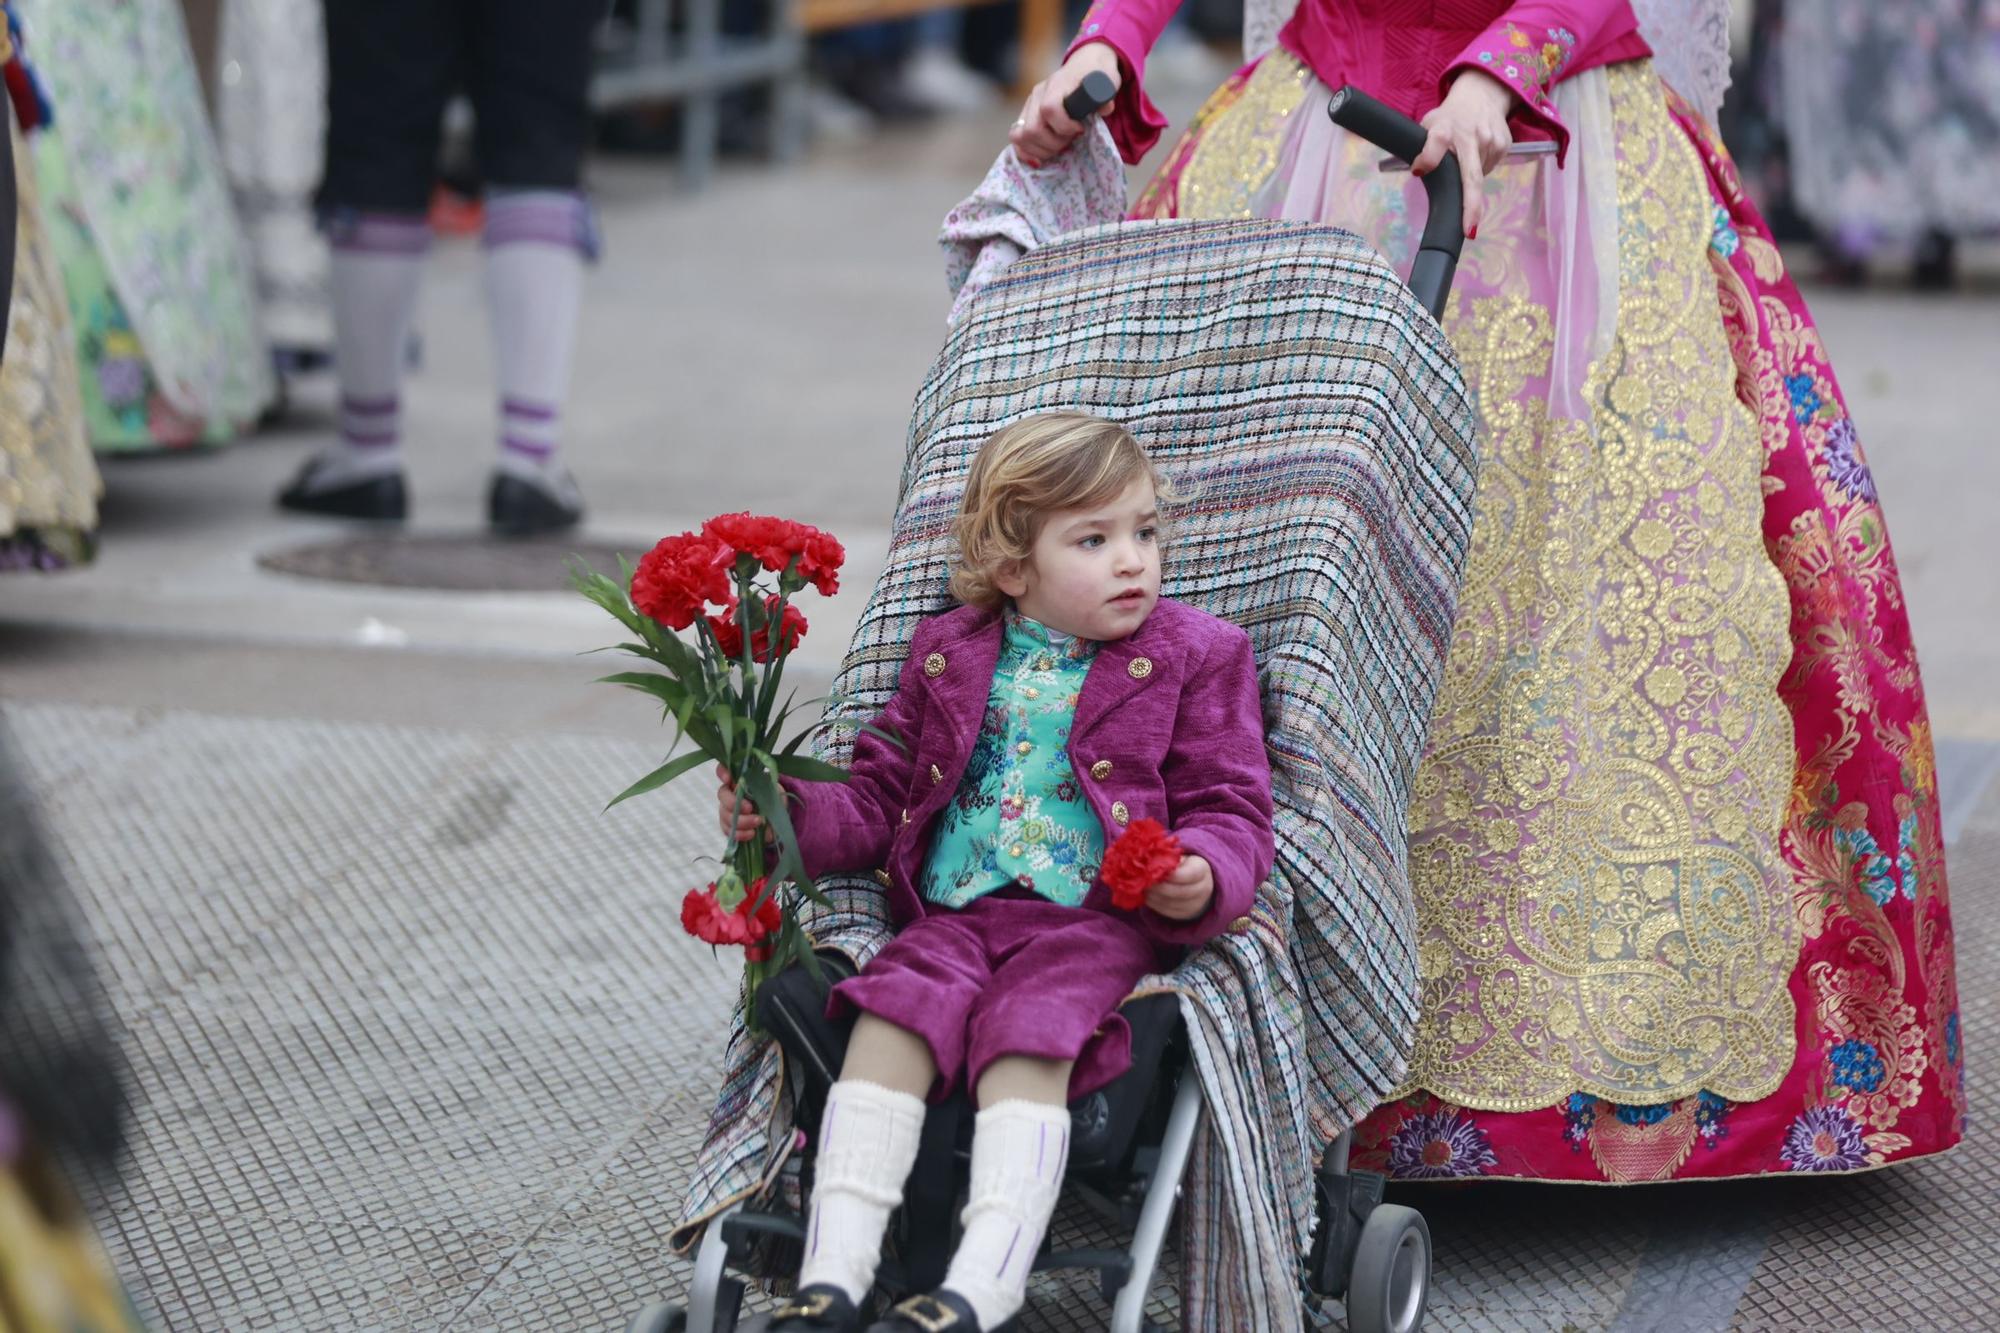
column 1472, row 122
column 1044, row 128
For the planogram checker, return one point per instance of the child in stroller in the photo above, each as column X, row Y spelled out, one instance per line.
column 1323, row 428
column 1064, row 699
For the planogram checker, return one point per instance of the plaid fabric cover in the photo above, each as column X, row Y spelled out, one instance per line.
column 1315, row 422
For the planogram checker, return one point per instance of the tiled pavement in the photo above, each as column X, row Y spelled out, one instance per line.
column 422, row 1046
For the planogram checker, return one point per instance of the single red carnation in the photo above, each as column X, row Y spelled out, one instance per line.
column 1144, row 854
column 772, row 541
column 753, row 920
column 776, row 542
column 820, row 561
column 729, row 636
column 679, row 576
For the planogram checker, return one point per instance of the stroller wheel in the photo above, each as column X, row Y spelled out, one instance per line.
column 1390, row 1281
column 658, row 1317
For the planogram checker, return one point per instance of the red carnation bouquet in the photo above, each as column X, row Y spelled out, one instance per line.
column 721, row 692
column 1144, row 854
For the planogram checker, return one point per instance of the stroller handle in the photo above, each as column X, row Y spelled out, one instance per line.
column 1089, row 97
column 1395, row 133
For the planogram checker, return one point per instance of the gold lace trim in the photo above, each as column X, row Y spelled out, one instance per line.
column 1601, row 905
column 1238, row 152
column 1594, row 833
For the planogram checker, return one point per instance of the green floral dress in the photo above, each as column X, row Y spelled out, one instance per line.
column 152, row 259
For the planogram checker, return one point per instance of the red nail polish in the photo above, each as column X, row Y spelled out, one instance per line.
column 1472, row 235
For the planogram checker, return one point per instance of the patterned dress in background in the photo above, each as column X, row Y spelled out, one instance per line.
column 270, row 114
column 159, row 284
column 48, row 480
column 1681, row 892
column 1892, row 114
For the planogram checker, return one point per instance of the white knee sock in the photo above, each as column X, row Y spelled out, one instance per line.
column 377, row 259
column 536, row 242
column 867, row 1144
column 1019, row 1150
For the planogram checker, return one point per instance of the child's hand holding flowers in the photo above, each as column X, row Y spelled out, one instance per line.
column 1186, row 891
column 1145, row 868
column 739, row 816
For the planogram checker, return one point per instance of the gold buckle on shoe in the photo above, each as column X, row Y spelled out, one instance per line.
column 806, row 1307
column 929, row 1313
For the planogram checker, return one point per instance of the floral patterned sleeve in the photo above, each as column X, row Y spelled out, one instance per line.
column 1530, row 49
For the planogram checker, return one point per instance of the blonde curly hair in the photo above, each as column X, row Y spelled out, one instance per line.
column 1027, row 471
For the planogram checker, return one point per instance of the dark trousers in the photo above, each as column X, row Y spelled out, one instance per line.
column 393, row 64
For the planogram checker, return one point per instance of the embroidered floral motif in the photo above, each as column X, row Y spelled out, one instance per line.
column 1871, row 867
column 1805, row 397
column 1579, row 1118
column 1532, row 64
column 1643, row 1115
column 1844, row 467
column 1724, row 241
column 1824, row 1138
column 1018, row 816
column 1857, row 1065
column 1710, row 1112
column 1437, row 1144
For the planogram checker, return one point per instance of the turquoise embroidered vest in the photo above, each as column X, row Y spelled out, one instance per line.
column 1019, row 817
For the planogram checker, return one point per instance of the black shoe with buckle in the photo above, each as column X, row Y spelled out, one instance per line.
column 820, row 1308
column 940, row 1311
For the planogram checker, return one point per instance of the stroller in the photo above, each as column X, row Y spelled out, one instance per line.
column 1319, row 425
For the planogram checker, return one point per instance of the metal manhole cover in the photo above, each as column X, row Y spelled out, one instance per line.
column 472, row 562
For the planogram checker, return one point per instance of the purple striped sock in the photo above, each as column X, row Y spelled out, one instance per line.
column 380, row 233
column 368, row 424
column 539, row 217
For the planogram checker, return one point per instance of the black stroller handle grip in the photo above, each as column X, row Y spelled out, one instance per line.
column 1444, row 235
column 1090, row 97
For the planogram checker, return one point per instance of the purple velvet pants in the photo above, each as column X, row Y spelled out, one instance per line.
column 1008, row 975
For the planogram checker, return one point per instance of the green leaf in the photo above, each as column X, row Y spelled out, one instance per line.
column 770, row 801
column 664, row 688
column 807, row 769
column 660, row 776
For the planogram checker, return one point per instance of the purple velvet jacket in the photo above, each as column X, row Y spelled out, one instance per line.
column 1169, row 726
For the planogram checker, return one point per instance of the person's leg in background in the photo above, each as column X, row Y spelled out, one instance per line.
column 391, row 65
column 530, row 83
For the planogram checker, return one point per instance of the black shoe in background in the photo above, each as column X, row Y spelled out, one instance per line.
column 380, row 498
column 519, row 507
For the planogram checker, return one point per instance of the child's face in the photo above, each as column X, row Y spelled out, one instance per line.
column 1094, row 572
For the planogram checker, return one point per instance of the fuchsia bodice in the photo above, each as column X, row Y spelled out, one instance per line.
column 1405, row 52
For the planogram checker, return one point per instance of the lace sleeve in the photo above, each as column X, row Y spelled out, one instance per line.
column 1690, row 41
column 1261, row 21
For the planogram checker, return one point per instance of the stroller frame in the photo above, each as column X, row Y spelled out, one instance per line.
column 1373, row 1256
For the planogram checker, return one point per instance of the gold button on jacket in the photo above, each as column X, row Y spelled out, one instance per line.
column 1141, row 667
column 1119, row 813
column 1101, row 769
column 934, row 665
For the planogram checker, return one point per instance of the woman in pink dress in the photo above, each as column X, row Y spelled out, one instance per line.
column 1680, row 881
